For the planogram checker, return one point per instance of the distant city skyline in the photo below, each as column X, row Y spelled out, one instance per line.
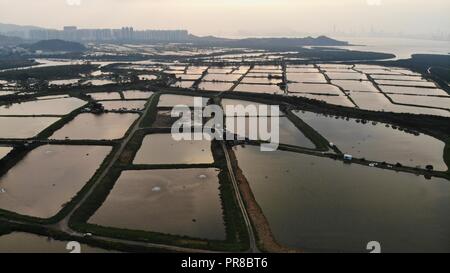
column 241, row 18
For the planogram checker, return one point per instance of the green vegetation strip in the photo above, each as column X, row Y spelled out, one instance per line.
column 48, row 73
column 152, row 111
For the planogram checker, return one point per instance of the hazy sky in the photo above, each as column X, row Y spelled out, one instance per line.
column 236, row 17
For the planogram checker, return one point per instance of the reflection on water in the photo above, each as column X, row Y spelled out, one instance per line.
column 105, row 96
column 4, row 151
column 378, row 142
column 90, row 126
column 314, row 88
column 136, row 95
column 42, row 107
column 259, row 88
column 401, row 47
column 124, row 105
column 378, row 102
column 215, row 86
column 181, row 202
column 233, row 103
column 324, row 205
column 288, row 132
column 173, row 100
column 306, row 77
column 352, row 85
column 422, row 100
column 23, row 127
column 163, row 149
column 19, row 242
column 413, row 90
column 48, row 177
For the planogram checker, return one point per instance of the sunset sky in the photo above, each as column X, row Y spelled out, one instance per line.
column 236, row 17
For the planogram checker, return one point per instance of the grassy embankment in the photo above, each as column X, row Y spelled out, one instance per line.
column 49, row 73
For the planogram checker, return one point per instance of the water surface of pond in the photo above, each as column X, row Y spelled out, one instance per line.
column 413, row 90
column 314, row 88
column 215, row 86
column 319, row 204
column 105, row 96
column 306, row 77
column 124, row 105
column 288, row 132
column 179, row 202
column 163, row 149
column 24, row 127
column 136, row 94
column 378, row 142
column 61, row 106
column 173, row 100
column 4, row 151
column 259, row 88
column 49, row 177
column 97, row 127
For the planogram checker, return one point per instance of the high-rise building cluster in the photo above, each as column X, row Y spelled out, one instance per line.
column 72, row 33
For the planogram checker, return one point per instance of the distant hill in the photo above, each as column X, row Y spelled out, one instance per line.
column 268, row 42
column 56, row 46
column 4, row 28
column 10, row 41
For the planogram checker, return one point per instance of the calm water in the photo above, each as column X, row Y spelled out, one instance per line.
column 42, row 107
column 173, row 100
column 183, row 84
column 289, row 133
column 312, row 88
column 259, row 88
column 163, row 149
column 23, row 127
column 407, row 83
column 234, row 103
column 378, row 102
column 398, row 77
column 346, row 76
column 337, row 100
column 422, row 100
column 127, row 105
column 19, row 242
column 402, row 48
column 99, row 82
column 352, row 85
column 90, row 126
column 64, row 82
column 306, row 77
column 413, row 90
column 136, row 95
column 181, row 202
column 220, row 70
column 319, row 204
column 196, row 69
column 189, row 77
column 301, row 69
column 48, row 177
column 4, row 151
column 105, row 96
column 222, row 77
column 378, row 142
column 215, row 86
